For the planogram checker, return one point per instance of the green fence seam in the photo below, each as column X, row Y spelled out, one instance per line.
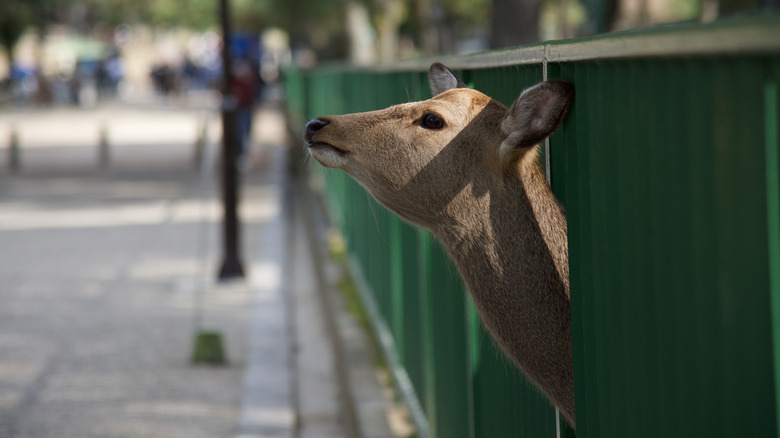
column 773, row 220
column 547, row 171
column 548, row 175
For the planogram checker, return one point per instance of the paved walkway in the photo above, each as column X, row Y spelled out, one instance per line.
column 107, row 275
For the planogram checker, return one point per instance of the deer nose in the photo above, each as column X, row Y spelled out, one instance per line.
column 312, row 127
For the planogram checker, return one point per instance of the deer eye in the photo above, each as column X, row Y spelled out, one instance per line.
column 432, row 121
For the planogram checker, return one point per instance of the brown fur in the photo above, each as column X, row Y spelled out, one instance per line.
column 493, row 211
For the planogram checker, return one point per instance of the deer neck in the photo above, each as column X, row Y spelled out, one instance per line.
column 547, row 213
column 511, row 251
column 515, row 230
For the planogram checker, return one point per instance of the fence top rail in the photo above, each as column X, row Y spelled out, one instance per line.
column 754, row 35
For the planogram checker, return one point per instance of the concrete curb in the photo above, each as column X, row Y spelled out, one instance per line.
column 267, row 405
column 364, row 404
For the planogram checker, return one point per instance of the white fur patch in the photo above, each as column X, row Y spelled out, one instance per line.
column 328, row 157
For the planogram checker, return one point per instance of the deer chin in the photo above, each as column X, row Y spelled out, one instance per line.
column 328, row 155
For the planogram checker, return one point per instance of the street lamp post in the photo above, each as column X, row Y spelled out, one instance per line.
column 231, row 264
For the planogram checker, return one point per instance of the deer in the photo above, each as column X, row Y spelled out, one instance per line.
column 466, row 168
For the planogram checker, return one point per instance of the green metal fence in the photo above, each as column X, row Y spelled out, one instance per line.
column 668, row 167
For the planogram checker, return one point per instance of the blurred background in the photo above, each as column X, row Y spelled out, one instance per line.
column 80, row 51
column 110, row 217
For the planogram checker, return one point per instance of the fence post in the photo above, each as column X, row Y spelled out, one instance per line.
column 103, row 147
column 14, row 154
column 200, row 143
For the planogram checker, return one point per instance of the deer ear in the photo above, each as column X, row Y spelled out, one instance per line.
column 534, row 116
column 441, row 79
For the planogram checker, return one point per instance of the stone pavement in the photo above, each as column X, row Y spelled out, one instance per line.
column 106, row 275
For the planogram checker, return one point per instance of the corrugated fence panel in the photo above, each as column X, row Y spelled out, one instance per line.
column 413, row 346
column 669, row 170
column 772, row 145
column 447, row 353
column 663, row 167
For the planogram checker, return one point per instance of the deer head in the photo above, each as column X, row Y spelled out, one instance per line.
column 466, row 167
column 417, row 158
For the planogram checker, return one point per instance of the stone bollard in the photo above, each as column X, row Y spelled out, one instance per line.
column 200, row 143
column 103, row 147
column 14, row 153
column 208, row 348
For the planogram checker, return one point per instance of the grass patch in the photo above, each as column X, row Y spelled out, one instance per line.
column 398, row 415
column 349, row 292
column 354, row 306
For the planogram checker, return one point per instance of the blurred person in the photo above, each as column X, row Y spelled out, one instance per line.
column 43, row 95
column 83, row 83
column 60, row 89
column 191, row 76
column 74, row 87
column 157, row 74
column 24, row 84
column 115, row 73
column 5, row 88
column 164, row 79
column 101, row 80
column 109, row 75
column 244, row 90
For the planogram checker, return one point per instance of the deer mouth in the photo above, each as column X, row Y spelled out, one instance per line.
column 328, row 155
column 322, row 146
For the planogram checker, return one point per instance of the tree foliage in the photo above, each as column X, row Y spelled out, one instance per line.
column 469, row 13
column 194, row 14
column 15, row 16
column 316, row 23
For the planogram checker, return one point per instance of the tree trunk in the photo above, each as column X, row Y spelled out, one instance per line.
column 515, row 22
column 388, row 23
column 427, row 27
column 361, row 39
